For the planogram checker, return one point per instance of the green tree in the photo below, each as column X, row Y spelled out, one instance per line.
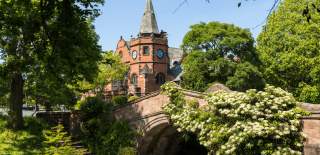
column 111, row 69
column 219, row 52
column 246, row 77
column 289, row 49
column 221, row 40
column 46, row 40
column 4, row 87
column 195, row 71
column 308, row 12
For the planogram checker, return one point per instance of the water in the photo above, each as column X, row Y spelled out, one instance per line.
column 25, row 113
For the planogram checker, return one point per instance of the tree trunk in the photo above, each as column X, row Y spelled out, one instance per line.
column 16, row 102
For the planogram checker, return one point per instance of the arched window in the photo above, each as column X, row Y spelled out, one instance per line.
column 160, row 78
column 134, row 79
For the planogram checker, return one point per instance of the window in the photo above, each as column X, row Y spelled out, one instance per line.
column 145, row 50
column 160, row 78
column 134, row 79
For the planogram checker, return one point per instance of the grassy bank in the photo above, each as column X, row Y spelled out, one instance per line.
column 27, row 141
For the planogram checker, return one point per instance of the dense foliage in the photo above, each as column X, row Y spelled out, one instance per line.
column 133, row 98
column 289, row 49
column 28, row 141
column 219, row 52
column 220, row 40
column 36, row 138
column 58, row 142
column 102, row 134
column 45, row 46
column 251, row 122
column 111, row 69
column 119, row 100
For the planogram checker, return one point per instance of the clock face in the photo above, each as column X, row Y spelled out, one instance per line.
column 160, row 53
column 134, row 55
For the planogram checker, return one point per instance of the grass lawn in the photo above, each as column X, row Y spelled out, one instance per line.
column 23, row 142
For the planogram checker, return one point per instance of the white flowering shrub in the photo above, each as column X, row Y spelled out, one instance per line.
column 264, row 122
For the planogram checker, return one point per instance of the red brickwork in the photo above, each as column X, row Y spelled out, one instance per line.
column 146, row 81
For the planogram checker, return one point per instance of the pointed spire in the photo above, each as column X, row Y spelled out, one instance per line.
column 149, row 22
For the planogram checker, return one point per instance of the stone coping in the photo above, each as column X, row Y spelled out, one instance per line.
column 184, row 91
column 313, row 108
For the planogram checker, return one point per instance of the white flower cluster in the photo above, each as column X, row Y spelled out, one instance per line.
column 264, row 122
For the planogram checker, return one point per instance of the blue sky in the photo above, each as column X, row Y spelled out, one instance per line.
column 123, row 17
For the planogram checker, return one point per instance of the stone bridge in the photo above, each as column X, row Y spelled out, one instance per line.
column 158, row 137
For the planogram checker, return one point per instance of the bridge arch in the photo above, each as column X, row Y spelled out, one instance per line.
column 164, row 139
column 158, row 137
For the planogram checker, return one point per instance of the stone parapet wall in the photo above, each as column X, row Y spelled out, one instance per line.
column 310, row 149
column 145, row 114
column 70, row 120
column 311, row 128
column 138, row 113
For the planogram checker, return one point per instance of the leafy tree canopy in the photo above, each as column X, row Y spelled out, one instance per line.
column 221, row 40
column 219, row 52
column 47, row 40
column 289, row 49
column 111, row 69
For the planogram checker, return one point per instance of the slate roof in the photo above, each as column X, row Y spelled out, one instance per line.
column 175, row 56
column 149, row 22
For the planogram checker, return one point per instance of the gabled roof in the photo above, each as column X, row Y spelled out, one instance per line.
column 149, row 22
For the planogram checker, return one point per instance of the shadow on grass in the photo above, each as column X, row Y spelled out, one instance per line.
column 27, row 141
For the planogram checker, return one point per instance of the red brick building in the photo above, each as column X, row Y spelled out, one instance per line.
column 152, row 62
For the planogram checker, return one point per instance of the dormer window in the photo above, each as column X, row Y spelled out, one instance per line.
column 146, row 50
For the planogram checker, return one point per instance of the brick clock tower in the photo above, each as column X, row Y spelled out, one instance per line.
column 147, row 55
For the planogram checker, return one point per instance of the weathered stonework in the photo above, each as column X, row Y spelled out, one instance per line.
column 146, row 115
column 158, row 137
column 311, row 128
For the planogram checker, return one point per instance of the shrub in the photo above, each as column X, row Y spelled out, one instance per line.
column 118, row 135
column 58, row 142
column 94, row 107
column 132, row 98
column 119, row 100
column 101, row 133
column 127, row 151
column 251, row 122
